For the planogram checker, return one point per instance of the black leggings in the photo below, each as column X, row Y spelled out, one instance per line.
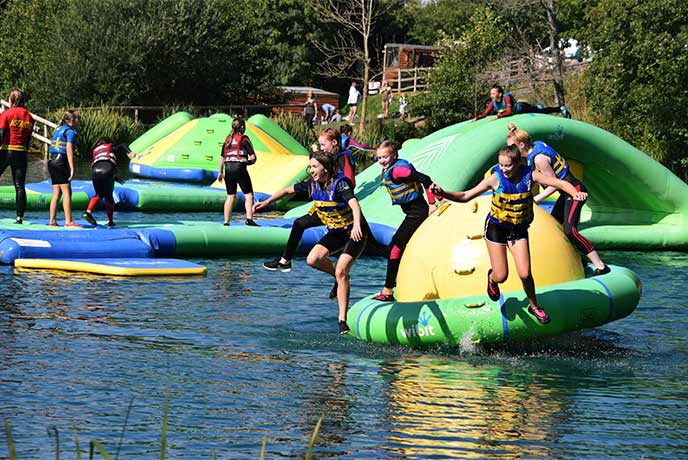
column 17, row 162
column 524, row 107
column 567, row 212
column 104, row 179
column 397, row 246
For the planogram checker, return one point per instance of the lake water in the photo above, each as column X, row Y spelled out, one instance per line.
column 244, row 354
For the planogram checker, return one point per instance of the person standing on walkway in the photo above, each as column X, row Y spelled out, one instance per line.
column 352, row 101
column 16, row 126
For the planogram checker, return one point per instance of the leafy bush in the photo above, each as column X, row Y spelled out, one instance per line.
column 103, row 122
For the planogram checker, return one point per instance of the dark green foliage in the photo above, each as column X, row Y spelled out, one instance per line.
column 151, row 52
column 638, row 77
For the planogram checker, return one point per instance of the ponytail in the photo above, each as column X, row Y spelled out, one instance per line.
column 519, row 135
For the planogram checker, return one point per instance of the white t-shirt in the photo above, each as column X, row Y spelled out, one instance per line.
column 353, row 96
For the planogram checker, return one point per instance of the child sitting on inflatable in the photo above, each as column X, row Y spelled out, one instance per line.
column 504, row 105
column 404, row 185
column 566, row 210
column 509, row 218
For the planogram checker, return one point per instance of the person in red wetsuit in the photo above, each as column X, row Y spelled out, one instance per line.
column 404, row 185
column 16, row 127
column 505, row 105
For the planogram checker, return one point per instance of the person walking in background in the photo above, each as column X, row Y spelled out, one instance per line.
column 310, row 109
column 236, row 155
column 16, row 126
column 352, row 101
column 385, row 97
column 505, row 105
column 61, row 167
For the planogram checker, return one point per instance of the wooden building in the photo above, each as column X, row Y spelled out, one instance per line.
column 405, row 66
column 296, row 97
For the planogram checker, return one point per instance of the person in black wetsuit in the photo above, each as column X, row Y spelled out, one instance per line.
column 236, row 155
column 337, row 208
column 103, row 167
column 404, row 185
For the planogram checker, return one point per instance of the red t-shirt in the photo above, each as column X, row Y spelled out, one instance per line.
column 17, row 126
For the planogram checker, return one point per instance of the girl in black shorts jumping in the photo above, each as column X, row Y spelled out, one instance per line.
column 237, row 153
column 510, row 216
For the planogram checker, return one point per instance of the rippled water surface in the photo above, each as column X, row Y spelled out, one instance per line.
column 244, row 354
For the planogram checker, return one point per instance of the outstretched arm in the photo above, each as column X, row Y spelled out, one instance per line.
column 559, row 185
column 274, row 197
column 489, row 183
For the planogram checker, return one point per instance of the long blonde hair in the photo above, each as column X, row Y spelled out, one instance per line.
column 519, row 135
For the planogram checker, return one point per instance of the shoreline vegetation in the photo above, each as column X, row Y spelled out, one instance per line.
column 97, row 449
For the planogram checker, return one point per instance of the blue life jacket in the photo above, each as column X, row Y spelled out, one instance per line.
column 559, row 164
column 403, row 192
column 60, row 138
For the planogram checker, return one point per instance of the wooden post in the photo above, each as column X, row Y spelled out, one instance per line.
column 45, row 146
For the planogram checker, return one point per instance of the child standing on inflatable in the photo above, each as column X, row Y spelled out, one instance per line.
column 330, row 143
column 508, row 220
column 236, row 155
column 404, row 185
column 338, row 209
column 61, row 167
column 504, row 105
column 566, row 210
column 16, row 127
column 103, row 167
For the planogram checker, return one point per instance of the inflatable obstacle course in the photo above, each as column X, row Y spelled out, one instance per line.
column 442, row 279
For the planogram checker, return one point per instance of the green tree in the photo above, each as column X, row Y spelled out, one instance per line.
column 436, row 19
column 144, row 52
column 453, row 83
column 638, row 76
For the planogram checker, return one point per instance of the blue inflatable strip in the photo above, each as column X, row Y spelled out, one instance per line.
column 610, row 315
column 73, row 244
column 180, row 174
column 162, row 242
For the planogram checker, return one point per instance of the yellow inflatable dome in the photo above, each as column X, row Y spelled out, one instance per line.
column 447, row 257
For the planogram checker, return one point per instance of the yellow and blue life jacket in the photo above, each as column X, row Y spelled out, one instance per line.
column 403, row 192
column 559, row 164
column 512, row 204
column 60, row 138
column 336, row 215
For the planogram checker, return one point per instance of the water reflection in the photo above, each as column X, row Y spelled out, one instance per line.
column 455, row 409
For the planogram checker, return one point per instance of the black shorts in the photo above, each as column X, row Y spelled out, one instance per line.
column 237, row 173
column 341, row 241
column 501, row 234
column 58, row 167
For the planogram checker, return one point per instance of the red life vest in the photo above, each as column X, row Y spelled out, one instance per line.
column 233, row 148
column 103, row 152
